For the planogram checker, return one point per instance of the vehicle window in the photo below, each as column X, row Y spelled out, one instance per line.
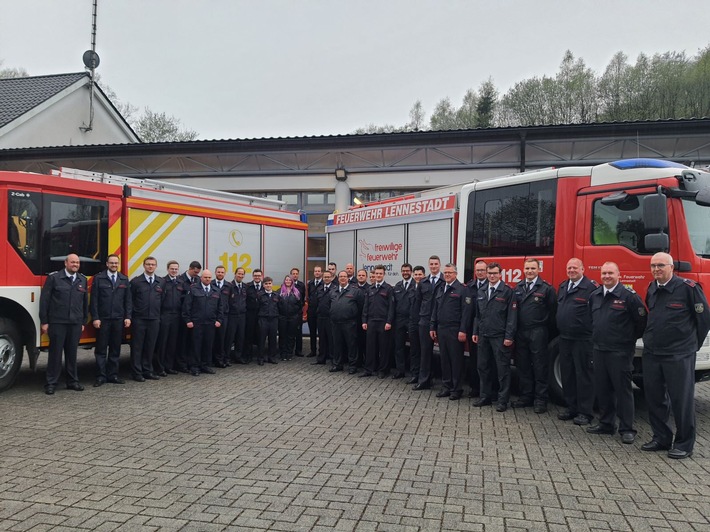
column 619, row 225
column 23, row 227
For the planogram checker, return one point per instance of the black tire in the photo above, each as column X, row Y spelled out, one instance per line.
column 10, row 353
column 555, row 373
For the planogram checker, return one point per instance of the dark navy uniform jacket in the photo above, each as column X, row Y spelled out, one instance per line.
column 379, row 304
column 574, row 319
column 425, row 295
column 108, row 302
column 147, row 298
column 201, row 308
column 312, row 293
column 402, row 301
column 497, row 316
column 346, row 305
column 452, row 308
column 253, row 296
column 62, row 301
column 268, row 304
column 618, row 318
column 238, row 300
column 225, row 291
column 536, row 307
column 290, row 306
column 323, row 300
column 174, row 296
column 678, row 317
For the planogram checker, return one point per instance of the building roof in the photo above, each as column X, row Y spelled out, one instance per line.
column 18, row 96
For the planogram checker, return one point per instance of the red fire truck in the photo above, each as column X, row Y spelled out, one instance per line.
column 44, row 218
column 622, row 211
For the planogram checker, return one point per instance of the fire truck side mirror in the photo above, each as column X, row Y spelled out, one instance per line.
column 655, row 221
column 703, row 197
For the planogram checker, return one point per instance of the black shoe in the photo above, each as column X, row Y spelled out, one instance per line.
column 310, row 355
column 162, row 374
column 455, row 396
column 138, row 378
column 75, row 386
column 184, row 370
column 521, row 404
column 474, row 393
column 118, row 380
column 443, row 393
column 171, row 372
column 151, row 377
column 540, row 408
column 382, row 375
column 260, row 362
column 227, row 363
column 628, row 438
column 566, row 415
column 501, row 407
column 335, row 369
column 271, row 361
column 421, row 386
column 352, row 371
column 397, row 375
column 600, row 429
column 366, row 374
column 482, row 401
column 677, row 454
column 220, row 365
column 654, row 445
column 299, row 354
column 581, row 419
column 49, row 390
column 316, row 363
column 413, row 380
column 99, row 382
column 195, row 373
column 207, row 370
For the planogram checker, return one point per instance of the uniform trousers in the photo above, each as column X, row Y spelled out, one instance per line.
column 401, row 354
column 298, row 347
column 143, row 341
column 669, row 384
column 252, row 336
column 451, row 359
column 108, row 349
column 577, row 370
column 612, row 385
column 378, row 347
column 268, row 330
column 203, row 335
column 426, row 347
column 313, row 333
column 63, row 337
column 168, row 334
column 414, row 350
column 234, row 338
column 325, row 337
column 288, row 329
column 494, row 357
column 531, row 359
column 345, row 343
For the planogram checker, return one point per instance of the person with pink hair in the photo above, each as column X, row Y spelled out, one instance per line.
column 290, row 309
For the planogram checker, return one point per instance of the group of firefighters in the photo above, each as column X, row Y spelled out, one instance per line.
column 190, row 322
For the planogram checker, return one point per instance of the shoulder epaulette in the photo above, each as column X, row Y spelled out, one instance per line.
column 53, row 273
column 593, row 282
column 629, row 289
column 689, row 282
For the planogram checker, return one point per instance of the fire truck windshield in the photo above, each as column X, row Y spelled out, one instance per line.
column 698, row 220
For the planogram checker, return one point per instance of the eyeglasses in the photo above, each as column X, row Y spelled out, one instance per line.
column 658, row 266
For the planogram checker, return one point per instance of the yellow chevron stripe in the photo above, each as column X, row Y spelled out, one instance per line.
column 143, row 229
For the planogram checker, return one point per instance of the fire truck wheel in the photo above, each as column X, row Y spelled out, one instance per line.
column 555, row 379
column 10, row 353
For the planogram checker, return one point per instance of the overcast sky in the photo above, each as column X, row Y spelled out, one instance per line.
column 274, row 68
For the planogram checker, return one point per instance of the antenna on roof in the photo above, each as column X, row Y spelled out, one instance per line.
column 91, row 61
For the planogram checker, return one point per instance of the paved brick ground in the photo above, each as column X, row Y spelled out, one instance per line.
column 292, row 447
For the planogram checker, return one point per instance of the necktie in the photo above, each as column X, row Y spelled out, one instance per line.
column 448, row 287
column 490, row 294
column 207, row 289
column 341, row 289
column 433, row 279
column 571, row 286
column 219, row 285
column 529, row 286
column 150, row 280
column 377, row 286
column 406, row 285
column 239, row 286
column 73, row 279
column 113, row 279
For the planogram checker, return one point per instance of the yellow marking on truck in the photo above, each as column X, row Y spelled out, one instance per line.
column 147, row 231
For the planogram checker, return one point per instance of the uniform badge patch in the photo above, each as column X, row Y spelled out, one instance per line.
column 699, row 308
column 468, row 300
column 642, row 311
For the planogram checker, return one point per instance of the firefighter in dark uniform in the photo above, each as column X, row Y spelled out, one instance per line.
column 402, row 305
column 184, row 345
column 312, row 311
column 494, row 330
column 268, row 323
column 147, row 294
column 415, row 350
column 236, row 319
column 362, row 284
column 171, row 324
column 110, row 306
column 425, row 299
column 346, row 303
column 63, row 310
column 203, row 314
column 325, row 327
column 537, row 306
column 480, row 280
column 678, row 323
column 449, row 326
column 290, row 317
column 574, row 323
column 295, row 273
column 220, row 353
column 377, row 319
column 618, row 319
column 252, row 335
